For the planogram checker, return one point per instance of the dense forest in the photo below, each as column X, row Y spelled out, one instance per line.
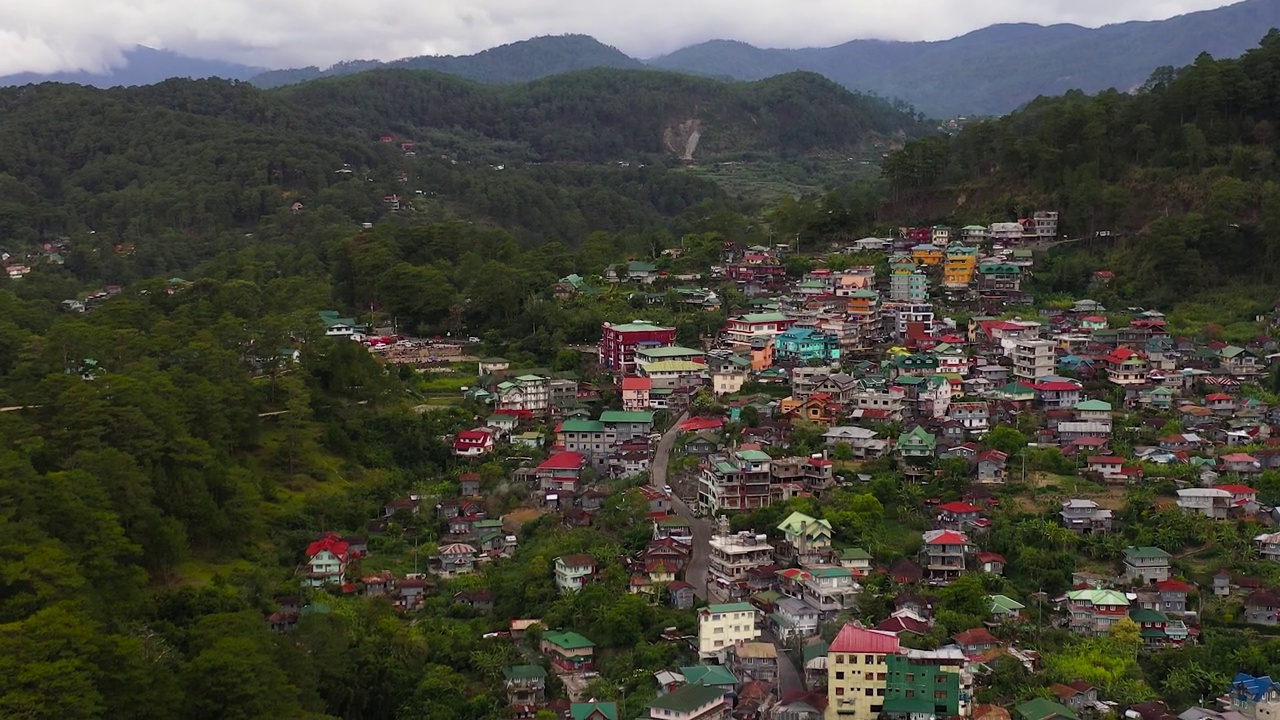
column 1184, row 172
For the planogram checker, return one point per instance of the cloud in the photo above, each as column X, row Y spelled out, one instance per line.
column 56, row 35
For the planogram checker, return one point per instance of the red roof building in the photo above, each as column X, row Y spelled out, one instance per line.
column 859, row 640
column 473, row 443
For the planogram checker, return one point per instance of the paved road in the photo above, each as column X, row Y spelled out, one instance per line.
column 696, row 573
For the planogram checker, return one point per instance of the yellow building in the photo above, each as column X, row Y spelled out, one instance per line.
column 961, row 263
column 721, row 627
column 857, row 674
column 926, row 254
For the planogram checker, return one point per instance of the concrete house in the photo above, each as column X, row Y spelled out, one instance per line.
column 1146, row 564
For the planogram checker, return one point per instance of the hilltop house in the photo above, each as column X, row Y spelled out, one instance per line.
column 327, row 561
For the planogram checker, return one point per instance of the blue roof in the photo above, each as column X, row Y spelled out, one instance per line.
column 1253, row 687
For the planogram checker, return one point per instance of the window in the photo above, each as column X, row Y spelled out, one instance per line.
column 868, row 659
column 868, row 692
column 911, row 693
column 839, row 691
column 839, row 674
column 880, row 692
column 868, row 676
column 880, row 676
column 839, row 659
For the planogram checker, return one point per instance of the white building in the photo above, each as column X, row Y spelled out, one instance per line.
column 1033, row 359
column 721, row 627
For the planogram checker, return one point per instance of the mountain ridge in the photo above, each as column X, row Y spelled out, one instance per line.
column 987, row 71
column 143, row 66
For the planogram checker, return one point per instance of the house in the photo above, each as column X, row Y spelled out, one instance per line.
column 1079, row 695
column 410, row 592
column 1262, row 607
column 1104, row 465
column 916, row 444
column 975, row 642
column 1126, row 367
column 560, row 472
column 944, row 551
column 326, row 562
column 568, row 650
column 991, row 467
column 1268, row 547
column 454, row 559
column 863, row 442
column 855, row 559
column 1093, row 611
column 681, row 594
column 958, row 515
column 473, row 443
column 573, row 572
column 807, row 539
column 1240, row 463
column 635, row 393
column 991, row 563
column 829, row 588
column 720, row 627
column 469, row 484
column 756, row 661
column 1084, row 517
column 742, row 329
column 1042, row 709
column 1213, row 503
column 799, row 704
column 1255, row 697
column 633, row 271
column 805, row 345
column 593, row 710
column 793, row 618
column 690, row 702
column 1004, row 607
column 1146, row 564
column 526, row 688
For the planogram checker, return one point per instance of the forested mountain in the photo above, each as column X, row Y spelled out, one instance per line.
column 143, row 66
column 1185, row 170
column 511, row 63
column 996, row 69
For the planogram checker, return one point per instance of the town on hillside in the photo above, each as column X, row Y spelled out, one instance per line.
column 894, row 485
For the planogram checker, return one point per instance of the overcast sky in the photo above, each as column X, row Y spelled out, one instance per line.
column 53, row 35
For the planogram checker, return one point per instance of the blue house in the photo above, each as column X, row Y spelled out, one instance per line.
column 801, row 345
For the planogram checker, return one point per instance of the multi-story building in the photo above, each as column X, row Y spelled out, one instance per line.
column 574, row 572
column 902, row 317
column 1126, row 367
column 908, row 285
column 635, row 393
column 618, row 343
column 1033, row 359
column 806, row 539
column 673, row 374
column 526, row 687
column 1046, row 224
column 958, row 269
column 731, row 556
column 1146, row 564
column 627, row 425
column 829, row 588
column 927, row 683
column 944, row 553
column 999, row 278
column 1005, row 233
column 858, row 672
column 721, row 627
column 591, row 438
column 530, row 393
column 741, row 330
column 1268, row 546
column 866, row 317
column 975, row 416
column 1093, row 611
column 668, row 352
column 738, row 480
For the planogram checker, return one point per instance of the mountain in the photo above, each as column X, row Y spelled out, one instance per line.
column 143, row 66
column 997, row 69
column 608, row 114
column 513, row 63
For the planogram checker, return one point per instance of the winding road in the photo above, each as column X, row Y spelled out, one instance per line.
column 696, row 572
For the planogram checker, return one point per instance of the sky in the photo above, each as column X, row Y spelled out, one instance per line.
column 61, row 35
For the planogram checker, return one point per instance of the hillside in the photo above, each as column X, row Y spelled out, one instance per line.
column 1184, row 172
column 602, row 115
column 143, row 66
column 512, row 63
column 999, row 68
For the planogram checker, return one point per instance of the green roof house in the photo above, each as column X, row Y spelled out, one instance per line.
column 690, row 702
column 593, row 710
column 916, row 444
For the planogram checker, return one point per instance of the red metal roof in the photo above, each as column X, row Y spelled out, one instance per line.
column 636, row 383
column 959, row 507
column 1057, row 386
column 854, row 639
column 1237, row 489
column 946, row 537
column 330, row 542
column 1172, row 586
column 1105, row 460
column 563, row 461
column 976, row 636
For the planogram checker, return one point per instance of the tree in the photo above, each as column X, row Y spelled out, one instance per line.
column 1005, row 439
column 842, row 452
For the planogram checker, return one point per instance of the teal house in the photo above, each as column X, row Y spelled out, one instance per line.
column 801, row 345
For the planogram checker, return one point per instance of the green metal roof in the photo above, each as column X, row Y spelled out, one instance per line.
column 687, row 698
column 583, row 710
column 1099, row 597
column 1004, row 603
column 731, row 607
column 855, row 553
column 668, row 351
column 567, row 639
column 797, row 521
column 1146, row 615
column 582, row 426
column 638, row 326
column 1094, row 406
column 1145, row 552
column 753, row 456
column 708, row 675
column 809, row 652
column 1042, row 709
column 761, row 317
column 622, row 416
column 524, row 672
column 672, row 366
